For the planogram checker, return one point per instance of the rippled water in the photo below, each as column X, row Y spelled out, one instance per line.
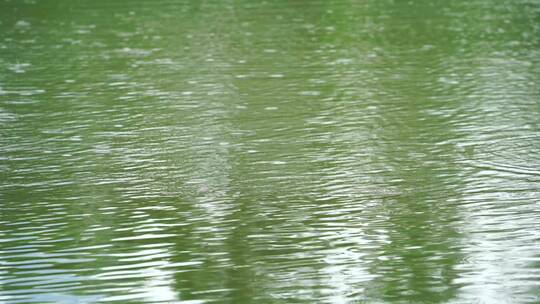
column 274, row 152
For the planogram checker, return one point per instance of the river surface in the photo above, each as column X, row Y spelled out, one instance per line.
column 279, row 151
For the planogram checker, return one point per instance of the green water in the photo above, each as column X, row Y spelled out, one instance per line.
column 243, row 151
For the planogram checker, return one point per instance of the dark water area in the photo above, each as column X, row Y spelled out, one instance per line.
column 269, row 151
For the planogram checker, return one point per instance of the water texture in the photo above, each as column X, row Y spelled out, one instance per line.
column 279, row 151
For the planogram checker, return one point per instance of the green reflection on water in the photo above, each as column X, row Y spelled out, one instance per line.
column 239, row 151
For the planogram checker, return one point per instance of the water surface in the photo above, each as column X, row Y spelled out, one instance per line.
column 269, row 151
